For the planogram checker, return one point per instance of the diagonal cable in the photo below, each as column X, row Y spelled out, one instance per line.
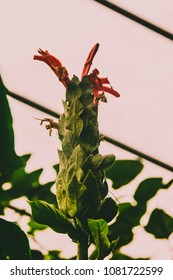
column 135, row 18
column 106, row 138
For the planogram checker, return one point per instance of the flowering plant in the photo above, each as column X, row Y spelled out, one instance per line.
column 81, row 188
column 82, row 207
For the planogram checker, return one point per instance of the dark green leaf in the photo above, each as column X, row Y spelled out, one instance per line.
column 121, row 231
column 113, row 245
column 8, row 158
column 26, row 184
column 107, row 210
column 56, row 168
column 148, row 188
column 25, row 158
column 73, row 92
column 14, row 244
column 120, row 256
column 80, row 201
column 23, row 182
column 160, row 224
column 108, row 160
column 46, row 214
column 37, row 255
column 129, row 216
column 90, row 182
column 103, row 162
column 123, row 172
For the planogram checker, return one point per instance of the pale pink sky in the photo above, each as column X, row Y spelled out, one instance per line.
column 138, row 62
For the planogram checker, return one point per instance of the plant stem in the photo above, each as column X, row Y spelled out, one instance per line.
column 82, row 243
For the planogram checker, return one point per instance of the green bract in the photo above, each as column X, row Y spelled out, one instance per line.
column 81, row 183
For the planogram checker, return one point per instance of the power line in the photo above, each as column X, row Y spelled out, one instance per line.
column 135, row 18
column 106, row 138
column 33, row 104
column 138, row 153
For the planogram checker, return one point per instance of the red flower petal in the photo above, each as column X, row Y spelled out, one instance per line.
column 89, row 60
column 55, row 65
column 106, row 89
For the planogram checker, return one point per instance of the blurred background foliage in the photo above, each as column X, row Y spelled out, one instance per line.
column 16, row 183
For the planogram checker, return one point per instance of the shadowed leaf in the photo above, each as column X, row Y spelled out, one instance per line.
column 160, row 224
column 10, row 160
column 123, row 172
column 14, row 244
column 46, row 214
column 148, row 188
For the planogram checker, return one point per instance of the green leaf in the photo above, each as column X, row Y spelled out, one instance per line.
column 8, row 158
column 90, row 135
column 107, row 210
column 86, row 97
column 148, row 188
column 129, row 216
column 14, row 244
column 76, row 108
column 23, row 182
column 99, row 231
column 69, row 143
column 25, row 158
column 78, row 203
column 120, row 256
column 46, row 214
column 74, row 169
column 73, row 92
column 56, row 167
column 160, row 224
column 123, row 172
column 113, row 245
column 78, row 156
column 62, row 126
column 37, row 255
column 90, row 182
column 75, row 124
column 103, row 162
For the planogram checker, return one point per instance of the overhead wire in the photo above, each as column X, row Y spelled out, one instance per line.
column 106, row 138
column 136, row 18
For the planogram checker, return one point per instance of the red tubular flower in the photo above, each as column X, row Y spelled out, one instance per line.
column 97, row 84
column 59, row 70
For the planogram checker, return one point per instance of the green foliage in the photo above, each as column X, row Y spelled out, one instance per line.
column 123, row 172
column 81, row 180
column 24, row 184
column 10, row 160
column 160, row 224
column 119, row 256
column 13, row 242
column 148, row 188
column 82, row 190
column 107, row 210
column 99, row 232
column 46, row 214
